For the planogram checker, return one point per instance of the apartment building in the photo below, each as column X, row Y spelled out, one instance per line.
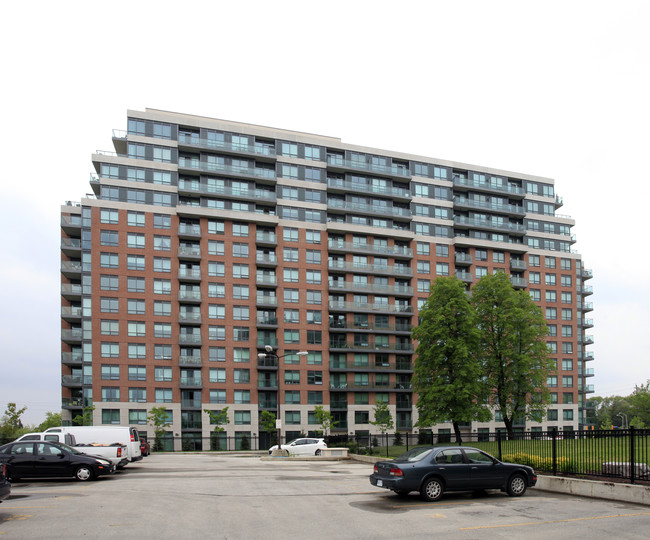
column 210, row 253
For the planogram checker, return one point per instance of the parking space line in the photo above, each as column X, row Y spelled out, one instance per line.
column 526, row 524
column 23, row 507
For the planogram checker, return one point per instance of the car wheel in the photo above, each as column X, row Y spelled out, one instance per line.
column 516, row 486
column 318, row 452
column 432, row 489
column 83, row 473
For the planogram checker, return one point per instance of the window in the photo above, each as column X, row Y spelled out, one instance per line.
column 138, row 395
column 314, row 377
column 216, row 269
column 138, row 416
column 109, row 216
column 110, row 372
column 217, row 333
column 314, row 337
column 498, row 257
column 135, row 219
column 241, row 333
column 551, row 313
column 109, row 260
column 423, row 267
column 242, row 396
column 549, row 279
column 423, row 248
column 550, row 296
column 291, row 316
column 442, row 250
column 567, row 298
column 240, row 250
column 480, row 255
column 536, row 295
column 135, row 262
column 314, row 317
column 162, row 309
column 291, row 296
column 290, row 275
column 136, row 329
column 240, row 271
column 551, row 381
column 313, row 297
column 552, row 414
column 162, row 330
column 567, row 398
column 241, row 355
column 567, row 314
column 216, row 311
column 217, row 354
column 315, row 397
column 137, row 350
column 110, row 350
column 567, row 348
column 241, row 376
column 162, row 352
column 315, row 358
column 108, row 283
column 313, row 256
column 163, row 395
column 313, row 237
column 567, row 330
column 162, row 221
column 137, row 373
column 110, row 328
column 567, row 381
column 110, row 416
column 135, row 284
column 290, row 234
column 534, row 278
column 217, row 396
column 162, row 286
column 567, row 414
column 292, row 336
column 313, row 276
column 566, row 281
column 109, row 238
column 217, row 375
column 567, row 364
column 290, row 254
column 240, row 229
column 552, row 329
column 135, row 307
column 292, row 397
column 241, row 313
column 549, row 262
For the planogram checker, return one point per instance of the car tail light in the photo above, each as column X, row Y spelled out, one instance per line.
column 4, row 469
column 396, row 472
column 375, row 469
column 325, row 444
column 132, row 438
column 119, row 452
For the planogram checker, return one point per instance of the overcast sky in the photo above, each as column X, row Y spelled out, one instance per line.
column 558, row 89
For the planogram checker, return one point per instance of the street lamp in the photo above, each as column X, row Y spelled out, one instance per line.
column 624, row 419
column 270, row 353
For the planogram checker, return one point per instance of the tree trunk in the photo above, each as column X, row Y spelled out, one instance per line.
column 459, row 438
column 508, row 422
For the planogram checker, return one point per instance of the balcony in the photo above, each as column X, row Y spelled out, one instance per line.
column 585, row 291
column 464, row 259
column 189, row 274
column 241, row 172
column 370, row 307
column 356, row 247
column 71, row 313
column 336, row 162
column 71, row 359
column 71, row 291
column 190, row 403
column 374, row 209
column 464, row 182
column 381, row 328
column 380, row 366
column 586, row 356
column 266, row 301
column 267, row 362
column 262, row 237
column 500, row 226
column 189, row 296
column 71, row 246
column 190, row 382
column 72, row 403
column 72, row 335
column 186, row 230
column 372, row 347
column 71, row 224
column 472, row 204
column 586, row 274
column 267, row 321
column 586, row 340
column 589, row 372
column 189, row 360
column 263, row 341
column 71, row 380
column 370, row 268
column 586, row 323
column 518, row 282
column 266, row 259
column 393, row 290
column 194, row 187
column 71, row 269
column 257, row 150
column 189, row 317
column 189, row 339
column 518, row 264
column 585, row 306
column 189, row 252
column 465, row 276
column 587, row 388
column 270, row 281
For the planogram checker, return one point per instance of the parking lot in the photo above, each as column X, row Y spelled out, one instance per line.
column 240, row 496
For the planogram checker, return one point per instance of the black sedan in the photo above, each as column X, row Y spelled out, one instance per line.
column 434, row 470
column 42, row 459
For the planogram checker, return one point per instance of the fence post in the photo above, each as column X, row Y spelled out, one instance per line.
column 554, row 451
column 386, row 443
column 499, row 445
column 632, row 456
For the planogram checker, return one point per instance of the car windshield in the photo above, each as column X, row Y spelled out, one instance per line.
column 416, row 454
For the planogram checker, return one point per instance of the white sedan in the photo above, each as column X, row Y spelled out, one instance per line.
column 302, row 447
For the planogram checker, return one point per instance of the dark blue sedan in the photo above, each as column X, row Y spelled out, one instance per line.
column 433, row 470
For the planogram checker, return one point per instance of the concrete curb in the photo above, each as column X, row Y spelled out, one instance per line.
column 596, row 489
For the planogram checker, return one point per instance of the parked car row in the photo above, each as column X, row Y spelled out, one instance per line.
column 81, row 452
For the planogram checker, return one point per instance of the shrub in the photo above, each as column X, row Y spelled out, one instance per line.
column 539, row 463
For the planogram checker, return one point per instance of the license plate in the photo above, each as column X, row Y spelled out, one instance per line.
column 379, row 483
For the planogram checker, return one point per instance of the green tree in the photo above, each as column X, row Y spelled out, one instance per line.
column 267, row 423
column 218, row 419
column 513, row 349
column 448, row 375
column 325, row 419
column 158, row 418
column 51, row 420
column 639, row 400
column 383, row 419
column 11, row 424
column 86, row 418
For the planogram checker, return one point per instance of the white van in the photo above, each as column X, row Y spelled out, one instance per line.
column 104, row 435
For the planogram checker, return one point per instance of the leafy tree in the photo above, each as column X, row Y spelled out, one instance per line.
column 267, row 423
column 51, row 420
column 511, row 342
column 86, row 418
column 639, row 412
column 604, row 411
column 218, row 418
column 325, row 419
column 383, row 419
column 159, row 420
column 11, row 424
column 448, row 374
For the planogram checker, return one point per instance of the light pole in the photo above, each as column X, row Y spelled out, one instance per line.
column 624, row 418
column 270, row 353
